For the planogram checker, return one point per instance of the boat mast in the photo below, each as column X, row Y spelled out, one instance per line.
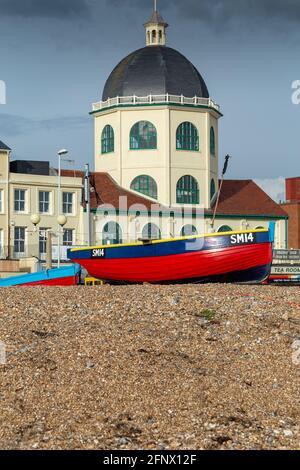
column 220, row 189
column 87, row 200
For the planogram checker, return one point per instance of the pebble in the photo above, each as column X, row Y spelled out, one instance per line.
column 90, row 365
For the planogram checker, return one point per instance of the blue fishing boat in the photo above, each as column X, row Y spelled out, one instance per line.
column 67, row 276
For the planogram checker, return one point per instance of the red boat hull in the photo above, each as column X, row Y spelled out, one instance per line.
column 197, row 266
column 67, row 281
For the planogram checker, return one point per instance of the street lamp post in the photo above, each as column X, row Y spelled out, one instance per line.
column 35, row 220
column 61, row 153
column 61, row 220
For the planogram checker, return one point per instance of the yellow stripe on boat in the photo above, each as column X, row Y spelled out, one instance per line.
column 155, row 242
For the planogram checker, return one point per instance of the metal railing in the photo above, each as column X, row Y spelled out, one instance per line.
column 155, row 99
column 32, row 251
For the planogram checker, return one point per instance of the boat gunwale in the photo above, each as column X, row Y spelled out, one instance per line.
column 169, row 240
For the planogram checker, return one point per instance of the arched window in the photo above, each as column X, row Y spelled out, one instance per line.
column 143, row 136
column 145, row 185
column 212, row 189
column 212, row 142
column 188, row 230
column 108, row 140
column 260, row 228
column 153, row 35
column 225, row 228
column 187, row 191
column 112, row 234
column 151, row 232
column 187, row 137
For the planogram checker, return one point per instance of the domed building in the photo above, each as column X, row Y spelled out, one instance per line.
column 156, row 139
column 156, row 128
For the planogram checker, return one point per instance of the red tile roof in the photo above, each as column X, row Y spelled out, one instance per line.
column 107, row 191
column 238, row 197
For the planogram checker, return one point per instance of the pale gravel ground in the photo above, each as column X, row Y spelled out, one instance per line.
column 140, row 368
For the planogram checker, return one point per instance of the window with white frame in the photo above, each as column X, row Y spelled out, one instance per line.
column 19, row 245
column 44, row 202
column 20, row 200
column 68, row 237
column 1, row 201
column 68, row 203
column 43, row 240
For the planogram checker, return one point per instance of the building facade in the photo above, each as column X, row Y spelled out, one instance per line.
column 292, row 208
column 28, row 191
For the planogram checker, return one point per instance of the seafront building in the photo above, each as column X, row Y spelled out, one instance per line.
column 28, row 192
column 292, row 208
column 156, row 140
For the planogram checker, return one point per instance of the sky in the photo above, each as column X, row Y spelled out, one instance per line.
column 55, row 57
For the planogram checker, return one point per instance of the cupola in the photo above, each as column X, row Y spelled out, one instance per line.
column 156, row 29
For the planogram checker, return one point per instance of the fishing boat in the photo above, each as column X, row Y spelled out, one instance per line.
column 281, row 279
column 67, row 276
column 244, row 256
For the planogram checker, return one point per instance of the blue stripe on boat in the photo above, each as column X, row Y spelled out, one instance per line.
column 166, row 249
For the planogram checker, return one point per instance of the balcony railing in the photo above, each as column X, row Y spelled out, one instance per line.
column 32, row 251
column 155, row 99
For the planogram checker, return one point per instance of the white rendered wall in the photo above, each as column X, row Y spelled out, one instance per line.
column 165, row 164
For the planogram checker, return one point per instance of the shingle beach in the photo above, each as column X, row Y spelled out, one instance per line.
column 150, row 367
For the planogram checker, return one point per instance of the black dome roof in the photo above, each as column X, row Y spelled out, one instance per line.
column 155, row 70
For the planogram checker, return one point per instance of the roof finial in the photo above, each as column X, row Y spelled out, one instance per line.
column 156, row 28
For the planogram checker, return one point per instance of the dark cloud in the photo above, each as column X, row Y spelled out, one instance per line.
column 211, row 11
column 220, row 11
column 12, row 125
column 45, row 8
